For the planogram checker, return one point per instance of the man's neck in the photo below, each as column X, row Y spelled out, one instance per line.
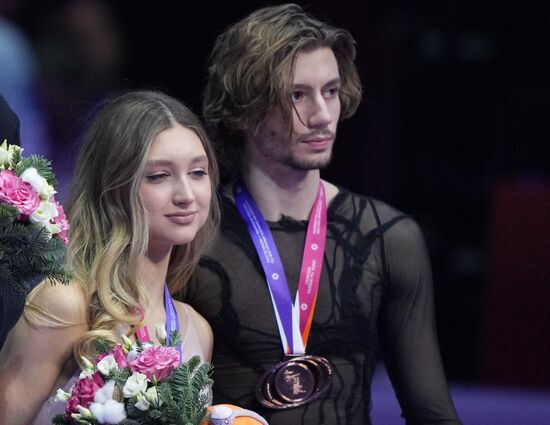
column 286, row 192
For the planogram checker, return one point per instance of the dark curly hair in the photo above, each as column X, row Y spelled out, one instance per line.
column 249, row 74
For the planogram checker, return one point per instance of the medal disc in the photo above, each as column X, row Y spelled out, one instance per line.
column 294, row 382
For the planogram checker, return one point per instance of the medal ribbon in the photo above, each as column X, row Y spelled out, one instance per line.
column 172, row 323
column 294, row 320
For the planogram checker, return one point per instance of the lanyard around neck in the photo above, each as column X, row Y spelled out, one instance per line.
column 293, row 320
column 172, row 323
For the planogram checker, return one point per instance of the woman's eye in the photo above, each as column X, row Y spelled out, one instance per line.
column 153, row 178
column 198, row 173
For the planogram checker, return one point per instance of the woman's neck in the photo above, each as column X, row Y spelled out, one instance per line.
column 153, row 269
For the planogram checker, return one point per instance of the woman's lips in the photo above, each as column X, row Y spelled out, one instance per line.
column 181, row 218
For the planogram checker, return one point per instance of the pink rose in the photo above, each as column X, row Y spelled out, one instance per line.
column 17, row 193
column 156, row 360
column 71, row 407
column 84, row 389
column 120, row 357
column 61, row 220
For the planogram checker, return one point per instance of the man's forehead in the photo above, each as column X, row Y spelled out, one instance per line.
column 315, row 66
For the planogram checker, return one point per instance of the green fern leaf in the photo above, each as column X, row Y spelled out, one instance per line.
column 42, row 165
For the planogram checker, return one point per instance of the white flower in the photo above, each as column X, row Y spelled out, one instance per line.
column 39, row 183
column 85, row 413
column 87, row 363
column 152, row 397
column 127, row 343
column 104, row 408
column 14, row 149
column 160, row 330
column 136, row 384
column 52, row 228
column 77, row 417
column 106, row 364
column 142, row 403
column 111, row 412
column 105, row 393
column 43, row 214
column 5, row 155
column 135, row 351
column 86, row 374
column 61, row 395
column 132, row 354
column 87, row 368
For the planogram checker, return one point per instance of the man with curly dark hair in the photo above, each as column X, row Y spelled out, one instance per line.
column 305, row 277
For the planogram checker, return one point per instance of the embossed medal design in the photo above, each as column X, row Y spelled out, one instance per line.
column 294, row 382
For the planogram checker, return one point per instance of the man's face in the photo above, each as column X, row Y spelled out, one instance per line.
column 315, row 95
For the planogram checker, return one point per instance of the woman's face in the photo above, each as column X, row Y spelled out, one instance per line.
column 176, row 188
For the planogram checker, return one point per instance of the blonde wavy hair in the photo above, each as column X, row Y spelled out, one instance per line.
column 250, row 73
column 108, row 225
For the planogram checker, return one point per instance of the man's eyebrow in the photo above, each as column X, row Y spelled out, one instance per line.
column 304, row 86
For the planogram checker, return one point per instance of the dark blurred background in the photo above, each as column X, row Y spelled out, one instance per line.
column 452, row 130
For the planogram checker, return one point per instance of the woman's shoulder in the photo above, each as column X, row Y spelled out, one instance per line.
column 58, row 303
column 193, row 317
column 200, row 326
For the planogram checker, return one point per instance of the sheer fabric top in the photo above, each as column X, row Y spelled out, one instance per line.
column 376, row 287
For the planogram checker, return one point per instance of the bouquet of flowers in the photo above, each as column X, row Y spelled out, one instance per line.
column 33, row 226
column 138, row 383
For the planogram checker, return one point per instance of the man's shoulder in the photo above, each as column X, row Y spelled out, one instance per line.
column 348, row 200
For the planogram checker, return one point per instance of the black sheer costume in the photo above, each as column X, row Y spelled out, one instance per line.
column 9, row 123
column 12, row 301
column 376, row 285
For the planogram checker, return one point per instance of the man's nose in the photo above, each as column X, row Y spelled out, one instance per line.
column 319, row 116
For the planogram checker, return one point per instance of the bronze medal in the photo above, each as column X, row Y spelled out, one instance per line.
column 294, row 382
column 298, row 380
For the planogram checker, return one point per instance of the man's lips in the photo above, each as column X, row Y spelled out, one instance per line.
column 318, row 137
column 320, row 142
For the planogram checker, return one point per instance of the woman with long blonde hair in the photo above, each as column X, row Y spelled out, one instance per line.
column 141, row 208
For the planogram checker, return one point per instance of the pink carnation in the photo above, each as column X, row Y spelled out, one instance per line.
column 99, row 357
column 118, row 354
column 17, row 193
column 61, row 220
column 156, row 360
column 83, row 392
column 120, row 357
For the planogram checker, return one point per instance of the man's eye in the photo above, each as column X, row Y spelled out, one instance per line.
column 297, row 95
column 332, row 92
